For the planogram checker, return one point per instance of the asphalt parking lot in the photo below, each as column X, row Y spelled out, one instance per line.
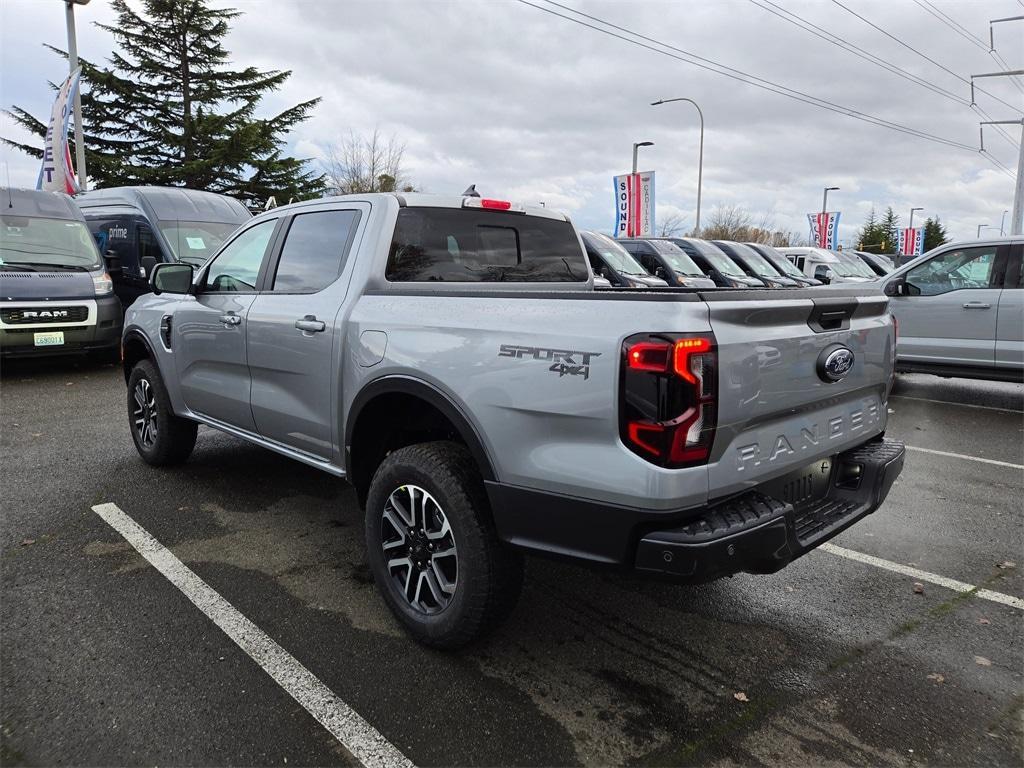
column 835, row 660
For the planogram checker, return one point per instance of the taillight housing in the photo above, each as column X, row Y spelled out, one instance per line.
column 669, row 389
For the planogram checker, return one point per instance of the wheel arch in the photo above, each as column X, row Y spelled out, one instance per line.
column 135, row 347
column 378, row 421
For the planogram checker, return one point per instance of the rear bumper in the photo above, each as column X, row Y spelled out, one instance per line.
column 759, row 531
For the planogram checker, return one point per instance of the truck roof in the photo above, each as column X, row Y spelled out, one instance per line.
column 18, row 201
column 424, row 200
column 169, row 203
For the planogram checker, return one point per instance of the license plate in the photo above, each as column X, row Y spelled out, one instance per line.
column 51, row 339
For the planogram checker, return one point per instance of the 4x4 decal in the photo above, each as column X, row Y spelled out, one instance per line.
column 564, row 362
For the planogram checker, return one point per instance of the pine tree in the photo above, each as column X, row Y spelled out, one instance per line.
column 168, row 110
column 871, row 234
column 889, row 227
column 934, row 233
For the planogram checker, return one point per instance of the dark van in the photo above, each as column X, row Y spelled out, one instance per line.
column 144, row 226
column 56, row 296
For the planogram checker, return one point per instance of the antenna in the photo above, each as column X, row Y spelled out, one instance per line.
column 10, row 197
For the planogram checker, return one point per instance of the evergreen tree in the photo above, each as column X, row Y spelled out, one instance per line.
column 168, row 110
column 871, row 234
column 934, row 233
column 889, row 226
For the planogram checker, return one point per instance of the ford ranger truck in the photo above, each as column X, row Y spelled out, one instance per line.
column 449, row 357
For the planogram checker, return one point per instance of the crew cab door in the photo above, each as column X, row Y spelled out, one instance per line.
column 208, row 330
column 948, row 315
column 1010, row 319
column 293, row 334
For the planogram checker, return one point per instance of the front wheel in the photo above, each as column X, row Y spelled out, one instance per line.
column 161, row 438
column 433, row 549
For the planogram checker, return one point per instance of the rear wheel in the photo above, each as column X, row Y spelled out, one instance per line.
column 433, row 549
column 161, row 438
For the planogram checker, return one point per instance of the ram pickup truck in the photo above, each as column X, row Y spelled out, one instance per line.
column 451, row 359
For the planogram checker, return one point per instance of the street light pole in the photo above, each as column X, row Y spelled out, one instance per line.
column 69, row 12
column 700, row 156
column 636, row 146
column 1002, row 223
column 824, row 198
column 911, row 224
column 978, row 235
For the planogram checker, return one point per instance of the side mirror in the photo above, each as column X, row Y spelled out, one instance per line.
column 660, row 272
column 148, row 264
column 171, row 278
column 823, row 273
column 112, row 260
column 895, row 288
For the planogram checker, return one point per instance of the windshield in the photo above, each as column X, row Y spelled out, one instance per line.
column 677, row 258
column 614, row 255
column 32, row 242
column 853, row 265
column 758, row 263
column 718, row 259
column 196, row 241
column 780, row 262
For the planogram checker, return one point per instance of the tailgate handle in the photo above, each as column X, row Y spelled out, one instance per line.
column 831, row 315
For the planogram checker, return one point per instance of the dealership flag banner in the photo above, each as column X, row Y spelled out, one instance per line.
column 57, row 173
column 634, row 204
column 824, row 229
column 911, row 241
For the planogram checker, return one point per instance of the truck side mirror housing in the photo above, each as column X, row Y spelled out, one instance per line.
column 112, row 260
column 148, row 264
column 823, row 273
column 171, row 278
column 895, row 288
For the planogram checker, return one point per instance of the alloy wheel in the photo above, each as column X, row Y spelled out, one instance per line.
column 144, row 413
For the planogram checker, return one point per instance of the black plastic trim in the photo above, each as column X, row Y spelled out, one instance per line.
column 1015, row 375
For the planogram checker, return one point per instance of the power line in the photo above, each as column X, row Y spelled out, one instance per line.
column 759, row 82
column 954, row 25
column 927, row 58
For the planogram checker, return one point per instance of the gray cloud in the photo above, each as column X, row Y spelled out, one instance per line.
column 531, row 106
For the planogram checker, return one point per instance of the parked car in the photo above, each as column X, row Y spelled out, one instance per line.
column 828, row 266
column 448, row 356
column 716, row 264
column 877, row 263
column 56, row 296
column 664, row 260
column 615, row 264
column 145, row 226
column 755, row 265
column 784, row 265
column 960, row 309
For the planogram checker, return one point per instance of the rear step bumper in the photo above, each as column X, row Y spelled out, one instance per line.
column 760, row 533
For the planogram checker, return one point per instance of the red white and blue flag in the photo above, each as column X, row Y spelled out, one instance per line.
column 56, row 173
column 824, row 229
column 911, row 241
column 634, row 204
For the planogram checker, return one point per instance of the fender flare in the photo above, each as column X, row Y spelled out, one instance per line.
column 134, row 334
column 407, row 385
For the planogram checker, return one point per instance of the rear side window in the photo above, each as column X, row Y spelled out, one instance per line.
column 314, row 251
column 473, row 246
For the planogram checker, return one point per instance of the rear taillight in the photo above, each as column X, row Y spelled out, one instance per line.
column 668, row 412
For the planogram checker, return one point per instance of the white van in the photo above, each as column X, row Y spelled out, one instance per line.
column 829, row 266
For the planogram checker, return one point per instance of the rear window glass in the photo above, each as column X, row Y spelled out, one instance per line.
column 473, row 246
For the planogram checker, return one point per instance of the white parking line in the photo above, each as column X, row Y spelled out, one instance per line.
column 965, row 456
column 958, row 405
column 916, row 573
column 355, row 734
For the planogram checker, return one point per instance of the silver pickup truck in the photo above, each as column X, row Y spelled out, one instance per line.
column 451, row 359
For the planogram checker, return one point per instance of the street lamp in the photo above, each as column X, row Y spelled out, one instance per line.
column 911, row 224
column 824, row 198
column 1002, row 222
column 978, row 235
column 637, row 146
column 700, row 156
column 69, row 8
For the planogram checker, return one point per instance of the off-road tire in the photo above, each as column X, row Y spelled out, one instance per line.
column 490, row 574
column 174, row 437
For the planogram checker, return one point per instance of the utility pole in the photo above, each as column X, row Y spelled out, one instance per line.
column 1017, row 217
column 69, row 12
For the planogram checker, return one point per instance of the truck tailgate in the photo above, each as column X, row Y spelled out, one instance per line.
column 778, row 410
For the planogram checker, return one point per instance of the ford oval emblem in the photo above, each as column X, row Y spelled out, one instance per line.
column 834, row 363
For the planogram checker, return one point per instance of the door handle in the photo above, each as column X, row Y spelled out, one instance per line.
column 230, row 319
column 309, row 324
column 977, row 305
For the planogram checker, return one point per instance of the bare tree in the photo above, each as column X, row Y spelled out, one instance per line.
column 671, row 225
column 366, row 164
column 731, row 222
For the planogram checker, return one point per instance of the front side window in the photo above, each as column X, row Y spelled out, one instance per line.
column 473, row 246
column 237, row 267
column 953, row 270
column 196, row 241
column 34, row 243
column 315, row 250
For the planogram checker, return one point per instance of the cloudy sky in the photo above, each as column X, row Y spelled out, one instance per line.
column 532, row 106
